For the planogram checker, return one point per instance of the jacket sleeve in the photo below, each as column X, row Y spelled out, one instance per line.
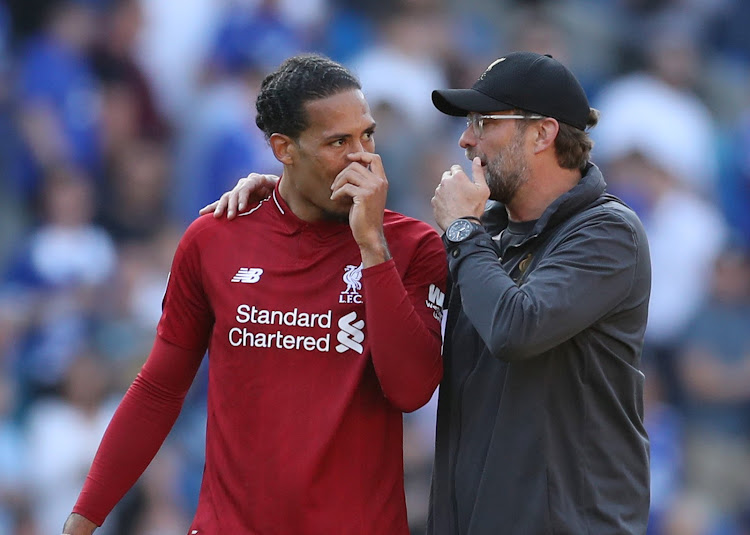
column 403, row 324
column 582, row 279
column 138, row 428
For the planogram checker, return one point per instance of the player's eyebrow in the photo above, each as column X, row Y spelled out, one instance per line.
column 334, row 137
column 369, row 130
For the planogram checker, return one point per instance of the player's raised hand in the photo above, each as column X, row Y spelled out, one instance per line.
column 364, row 181
column 253, row 188
column 457, row 195
column 78, row 525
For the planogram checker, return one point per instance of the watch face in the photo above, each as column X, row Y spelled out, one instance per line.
column 459, row 230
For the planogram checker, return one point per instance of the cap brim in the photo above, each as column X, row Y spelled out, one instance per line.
column 459, row 102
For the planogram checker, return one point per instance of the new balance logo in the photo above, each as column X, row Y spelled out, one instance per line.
column 435, row 298
column 248, row 275
column 350, row 336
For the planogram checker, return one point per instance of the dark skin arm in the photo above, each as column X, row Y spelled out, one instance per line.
column 78, row 525
column 365, row 183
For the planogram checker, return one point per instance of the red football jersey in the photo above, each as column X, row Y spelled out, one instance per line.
column 312, row 360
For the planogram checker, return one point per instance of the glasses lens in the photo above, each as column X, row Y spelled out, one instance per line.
column 474, row 120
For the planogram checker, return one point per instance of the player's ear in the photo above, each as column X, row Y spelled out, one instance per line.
column 284, row 148
column 546, row 131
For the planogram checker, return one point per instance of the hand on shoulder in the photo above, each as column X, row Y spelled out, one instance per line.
column 253, row 188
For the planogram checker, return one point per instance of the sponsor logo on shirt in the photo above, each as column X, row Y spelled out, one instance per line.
column 352, row 278
column 435, row 298
column 350, row 336
column 248, row 275
column 250, row 314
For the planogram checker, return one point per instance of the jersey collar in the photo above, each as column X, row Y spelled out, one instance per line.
column 294, row 224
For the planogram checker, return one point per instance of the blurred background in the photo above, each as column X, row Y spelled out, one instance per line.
column 119, row 119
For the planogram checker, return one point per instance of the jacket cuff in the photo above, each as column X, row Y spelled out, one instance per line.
column 480, row 241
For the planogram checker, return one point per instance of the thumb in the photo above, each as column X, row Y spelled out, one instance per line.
column 477, row 171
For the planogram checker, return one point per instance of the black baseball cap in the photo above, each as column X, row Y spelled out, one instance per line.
column 521, row 80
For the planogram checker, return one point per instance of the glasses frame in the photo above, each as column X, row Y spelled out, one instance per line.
column 475, row 121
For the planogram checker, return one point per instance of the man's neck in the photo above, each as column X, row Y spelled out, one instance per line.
column 305, row 211
column 535, row 196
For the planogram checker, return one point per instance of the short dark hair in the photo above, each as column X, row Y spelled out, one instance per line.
column 573, row 145
column 300, row 79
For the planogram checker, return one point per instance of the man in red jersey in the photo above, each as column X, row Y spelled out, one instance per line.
column 320, row 311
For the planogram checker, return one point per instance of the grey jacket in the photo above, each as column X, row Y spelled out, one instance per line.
column 540, row 415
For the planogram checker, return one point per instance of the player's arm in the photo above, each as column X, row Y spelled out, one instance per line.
column 365, row 183
column 154, row 400
column 403, row 324
column 137, row 430
column 404, row 334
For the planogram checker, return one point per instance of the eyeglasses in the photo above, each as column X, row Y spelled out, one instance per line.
column 475, row 121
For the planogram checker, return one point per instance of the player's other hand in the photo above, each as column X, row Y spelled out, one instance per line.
column 253, row 188
column 78, row 525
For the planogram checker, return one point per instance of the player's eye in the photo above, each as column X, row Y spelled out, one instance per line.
column 338, row 143
column 368, row 136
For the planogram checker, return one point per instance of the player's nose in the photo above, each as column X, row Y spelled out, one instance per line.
column 357, row 146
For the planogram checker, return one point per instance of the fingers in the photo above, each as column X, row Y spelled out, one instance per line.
column 458, row 195
column 455, row 171
column 221, row 205
column 369, row 159
column 232, row 204
column 351, row 184
column 238, row 197
column 206, row 209
column 243, row 199
column 477, row 172
column 256, row 187
column 355, row 173
column 346, row 190
column 253, row 187
column 357, row 180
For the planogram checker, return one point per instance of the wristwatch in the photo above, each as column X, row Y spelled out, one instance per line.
column 459, row 230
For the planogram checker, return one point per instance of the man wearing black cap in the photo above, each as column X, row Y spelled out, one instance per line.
column 540, row 417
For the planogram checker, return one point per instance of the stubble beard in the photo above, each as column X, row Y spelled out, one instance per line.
column 506, row 172
column 338, row 214
column 338, row 217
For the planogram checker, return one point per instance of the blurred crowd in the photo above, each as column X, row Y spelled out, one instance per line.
column 119, row 119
